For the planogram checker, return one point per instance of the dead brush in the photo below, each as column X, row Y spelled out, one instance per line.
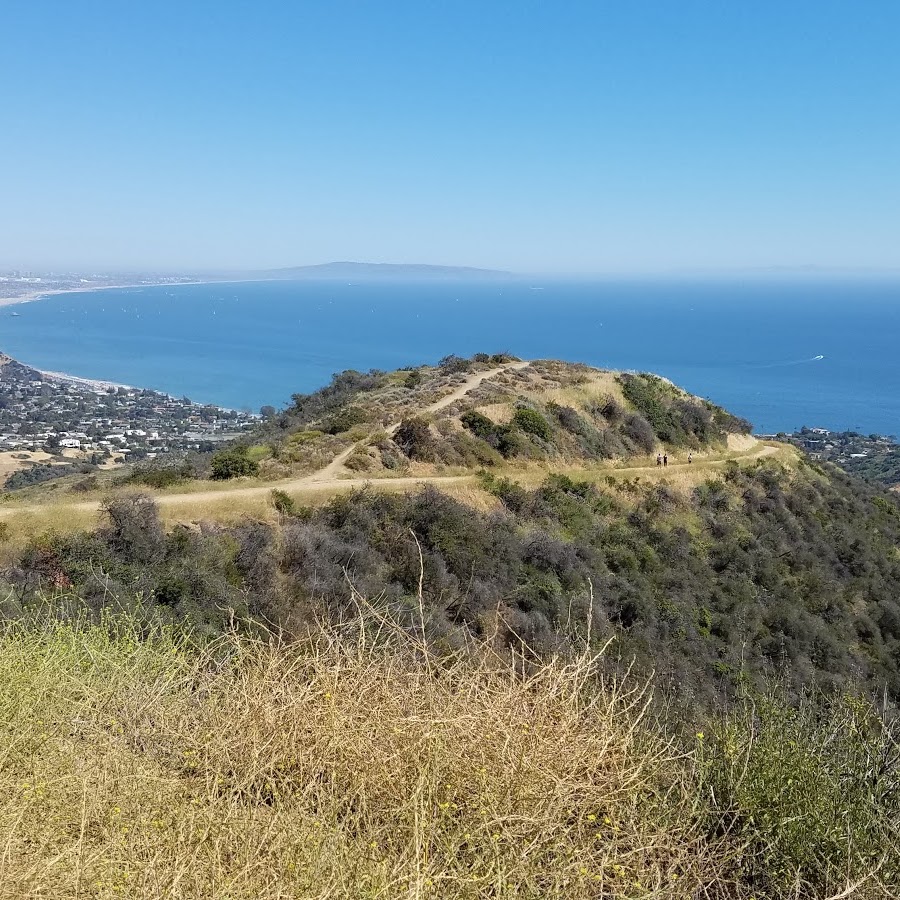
column 354, row 764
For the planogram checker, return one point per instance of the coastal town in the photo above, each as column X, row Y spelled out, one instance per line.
column 48, row 417
column 17, row 286
column 875, row 457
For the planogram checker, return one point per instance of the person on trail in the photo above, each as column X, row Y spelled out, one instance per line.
column 665, row 459
column 659, row 459
column 691, row 456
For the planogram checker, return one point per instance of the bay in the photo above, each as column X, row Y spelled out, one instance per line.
column 781, row 353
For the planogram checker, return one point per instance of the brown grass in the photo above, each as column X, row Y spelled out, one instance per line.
column 140, row 769
column 597, row 384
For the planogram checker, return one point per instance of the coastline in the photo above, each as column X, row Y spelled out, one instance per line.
column 32, row 296
column 94, row 384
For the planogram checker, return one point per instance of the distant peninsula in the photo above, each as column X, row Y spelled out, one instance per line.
column 19, row 287
column 386, row 271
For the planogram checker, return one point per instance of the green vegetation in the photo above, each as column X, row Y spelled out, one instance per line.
column 161, row 474
column 678, row 419
column 873, row 457
column 42, row 472
column 233, row 463
column 532, row 422
column 603, row 684
column 882, row 469
column 344, row 420
column 333, row 398
column 283, row 503
column 766, row 571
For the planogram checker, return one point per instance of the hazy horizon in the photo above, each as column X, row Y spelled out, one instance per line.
column 593, row 140
column 775, row 273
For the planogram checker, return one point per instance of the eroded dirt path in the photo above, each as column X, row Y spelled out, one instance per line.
column 335, row 468
column 317, row 483
column 335, row 476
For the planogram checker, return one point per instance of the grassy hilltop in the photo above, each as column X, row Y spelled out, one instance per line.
column 451, row 632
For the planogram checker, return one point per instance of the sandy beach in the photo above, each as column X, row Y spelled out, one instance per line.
column 29, row 296
column 90, row 383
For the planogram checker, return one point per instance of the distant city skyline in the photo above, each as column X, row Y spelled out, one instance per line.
column 580, row 138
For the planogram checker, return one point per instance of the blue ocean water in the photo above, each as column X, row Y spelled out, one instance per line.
column 782, row 354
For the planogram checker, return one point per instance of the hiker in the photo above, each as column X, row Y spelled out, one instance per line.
column 691, row 456
column 659, row 459
column 665, row 459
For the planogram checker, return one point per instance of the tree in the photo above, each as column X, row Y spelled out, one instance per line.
column 233, row 464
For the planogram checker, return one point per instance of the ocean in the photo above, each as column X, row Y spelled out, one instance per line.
column 781, row 353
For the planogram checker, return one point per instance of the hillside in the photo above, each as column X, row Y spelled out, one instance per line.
column 490, row 412
column 451, row 631
column 873, row 457
column 533, row 492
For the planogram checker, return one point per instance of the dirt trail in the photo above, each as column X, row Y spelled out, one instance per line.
column 333, row 470
column 334, row 476
column 315, row 483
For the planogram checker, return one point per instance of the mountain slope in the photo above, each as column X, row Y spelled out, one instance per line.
column 718, row 572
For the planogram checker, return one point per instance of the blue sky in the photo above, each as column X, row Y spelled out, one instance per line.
column 592, row 137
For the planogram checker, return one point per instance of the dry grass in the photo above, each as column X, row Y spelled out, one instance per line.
column 19, row 527
column 226, row 504
column 500, row 413
column 138, row 768
column 679, row 474
column 9, row 463
column 598, row 384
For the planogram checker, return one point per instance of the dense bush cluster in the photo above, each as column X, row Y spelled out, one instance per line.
column 206, row 576
column 678, row 420
column 514, row 439
column 344, row 420
column 233, row 463
column 335, row 396
column 41, row 472
column 761, row 571
column 162, row 474
column 879, row 468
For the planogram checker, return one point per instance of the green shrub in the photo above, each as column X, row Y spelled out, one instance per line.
column 640, row 432
column 453, row 364
column 811, row 791
column 161, row 475
column 677, row 419
column 479, row 424
column 413, row 379
column 283, row 502
column 532, row 422
column 232, row 463
column 345, row 420
column 359, row 461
